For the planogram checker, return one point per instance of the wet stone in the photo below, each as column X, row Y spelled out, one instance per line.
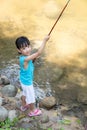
column 44, row 119
column 3, row 113
column 9, row 90
column 48, row 102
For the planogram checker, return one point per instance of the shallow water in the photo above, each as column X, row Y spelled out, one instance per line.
column 67, row 45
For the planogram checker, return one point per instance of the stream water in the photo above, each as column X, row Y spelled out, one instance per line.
column 68, row 39
column 67, row 46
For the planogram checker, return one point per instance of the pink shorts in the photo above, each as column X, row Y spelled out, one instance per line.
column 28, row 92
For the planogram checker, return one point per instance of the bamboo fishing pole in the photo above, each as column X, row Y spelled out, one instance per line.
column 58, row 17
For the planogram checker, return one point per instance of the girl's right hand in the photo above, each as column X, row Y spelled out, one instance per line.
column 47, row 38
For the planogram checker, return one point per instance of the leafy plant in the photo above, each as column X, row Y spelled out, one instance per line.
column 49, row 129
column 23, row 129
column 61, row 128
column 6, row 128
column 78, row 121
column 65, row 122
column 8, row 123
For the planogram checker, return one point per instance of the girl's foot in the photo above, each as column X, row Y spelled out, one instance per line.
column 36, row 112
column 24, row 108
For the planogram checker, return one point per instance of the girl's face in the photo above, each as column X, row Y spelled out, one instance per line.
column 25, row 50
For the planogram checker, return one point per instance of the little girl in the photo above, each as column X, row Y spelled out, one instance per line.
column 27, row 73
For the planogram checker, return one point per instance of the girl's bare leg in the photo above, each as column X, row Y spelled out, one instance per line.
column 32, row 107
column 23, row 100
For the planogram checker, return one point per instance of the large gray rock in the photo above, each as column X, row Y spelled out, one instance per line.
column 3, row 113
column 9, row 90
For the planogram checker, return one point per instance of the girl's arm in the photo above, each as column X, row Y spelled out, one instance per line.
column 40, row 50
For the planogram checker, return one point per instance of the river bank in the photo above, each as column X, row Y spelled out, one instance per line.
column 65, row 116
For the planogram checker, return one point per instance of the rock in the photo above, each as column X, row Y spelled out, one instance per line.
column 3, row 113
column 85, row 113
column 12, row 114
column 18, row 104
column 5, row 80
column 1, row 101
column 25, row 126
column 1, row 81
column 45, row 119
column 18, row 95
column 9, row 90
column 48, row 102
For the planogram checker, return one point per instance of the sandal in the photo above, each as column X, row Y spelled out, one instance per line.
column 24, row 108
column 36, row 112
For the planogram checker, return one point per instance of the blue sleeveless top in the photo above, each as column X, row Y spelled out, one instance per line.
column 26, row 74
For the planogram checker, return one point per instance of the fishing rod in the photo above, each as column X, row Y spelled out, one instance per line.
column 58, row 17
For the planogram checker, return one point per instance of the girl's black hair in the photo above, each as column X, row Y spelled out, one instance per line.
column 22, row 42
